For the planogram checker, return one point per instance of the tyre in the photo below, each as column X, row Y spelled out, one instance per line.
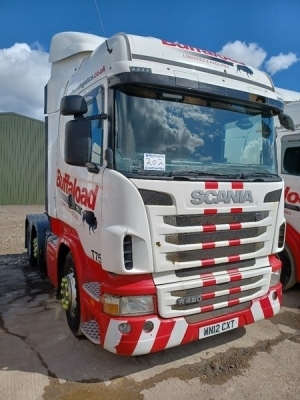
column 70, row 295
column 30, row 238
column 288, row 272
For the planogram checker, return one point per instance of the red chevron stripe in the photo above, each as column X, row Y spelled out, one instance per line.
column 209, row 228
column 234, row 258
column 235, row 226
column 234, row 242
column 211, row 211
column 163, row 335
column 233, row 302
column 208, row 261
column 211, row 185
column 236, row 210
column 237, row 185
column 209, row 245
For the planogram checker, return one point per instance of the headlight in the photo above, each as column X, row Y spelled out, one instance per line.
column 131, row 305
column 275, row 278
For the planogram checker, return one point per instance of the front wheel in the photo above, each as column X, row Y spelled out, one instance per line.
column 70, row 295
column 288, row 276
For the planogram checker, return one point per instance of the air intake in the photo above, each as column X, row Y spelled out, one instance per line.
column 273, row 197
column 281, row 236
column 127, row 249
column 152, row 198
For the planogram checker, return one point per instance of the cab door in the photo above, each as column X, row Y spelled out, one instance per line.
column 79, row 189
column 290, row 171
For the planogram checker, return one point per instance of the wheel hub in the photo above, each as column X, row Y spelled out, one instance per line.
column 68, row 292
column 35, row 248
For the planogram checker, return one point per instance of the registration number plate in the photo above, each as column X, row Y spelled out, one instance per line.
column 214, row 329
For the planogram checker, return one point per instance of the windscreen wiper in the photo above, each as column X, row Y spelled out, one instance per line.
column 194, row 174
column 259, row 176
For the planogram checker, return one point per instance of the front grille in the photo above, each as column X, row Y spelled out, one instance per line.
column 212, row 219
column 216, row 252
column 203, row 237
column 218, row 287
column 209, row 302
column 208, row 239
column 197, row 271
column 209, row 297
column 195, row 318
column 210, row 292
column 214, row 259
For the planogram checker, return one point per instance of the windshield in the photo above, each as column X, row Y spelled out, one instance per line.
column 166, row 134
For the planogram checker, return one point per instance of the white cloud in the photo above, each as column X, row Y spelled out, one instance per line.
column 24, row 71
column 250, row 54
column 280, row 62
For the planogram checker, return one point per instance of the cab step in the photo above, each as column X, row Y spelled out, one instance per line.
column 92, row 289
column 91, row 330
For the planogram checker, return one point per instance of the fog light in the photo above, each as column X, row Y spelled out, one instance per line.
column 275, row 278
column 148, row 326
column 124, row 328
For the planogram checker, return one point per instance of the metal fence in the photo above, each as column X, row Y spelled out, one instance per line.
column 22, row 160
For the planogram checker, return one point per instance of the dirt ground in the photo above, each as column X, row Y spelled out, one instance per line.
column 12, row 220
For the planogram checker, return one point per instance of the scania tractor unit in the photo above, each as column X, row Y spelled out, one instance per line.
column 288, row 147
column 164, row 207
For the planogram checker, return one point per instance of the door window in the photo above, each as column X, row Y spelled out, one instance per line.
column 291, row 161
column 95, row 105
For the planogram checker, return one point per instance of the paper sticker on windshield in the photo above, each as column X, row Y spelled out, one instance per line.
column 155, row 162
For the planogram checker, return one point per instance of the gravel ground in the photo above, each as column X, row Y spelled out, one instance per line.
column 12, row 223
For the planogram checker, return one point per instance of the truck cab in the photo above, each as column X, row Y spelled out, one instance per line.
column 164, row 208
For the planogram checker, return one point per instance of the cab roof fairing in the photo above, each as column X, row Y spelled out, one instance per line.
column 67, row 44
column 101, row 57
column 208, row 67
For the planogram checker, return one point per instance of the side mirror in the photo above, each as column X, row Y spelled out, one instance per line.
column 78, row 142
column 286, row 121
column 73, row 105
column 78, row 137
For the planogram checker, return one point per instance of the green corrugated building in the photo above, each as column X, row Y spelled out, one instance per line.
column 22, row 160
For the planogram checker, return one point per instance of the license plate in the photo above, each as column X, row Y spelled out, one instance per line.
column 215, row 329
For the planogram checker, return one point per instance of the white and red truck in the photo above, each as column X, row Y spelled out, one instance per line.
column 164, row 209
column 288, row 148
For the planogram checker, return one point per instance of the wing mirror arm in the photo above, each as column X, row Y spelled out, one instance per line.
column 109, row 157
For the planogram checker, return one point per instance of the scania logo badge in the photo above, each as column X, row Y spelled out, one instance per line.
column 221, row 196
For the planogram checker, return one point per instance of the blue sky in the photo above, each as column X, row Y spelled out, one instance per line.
column 262, row 33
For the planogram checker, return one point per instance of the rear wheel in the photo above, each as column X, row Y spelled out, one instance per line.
column 288, row 273
column 70, row 295
column 31, row 242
